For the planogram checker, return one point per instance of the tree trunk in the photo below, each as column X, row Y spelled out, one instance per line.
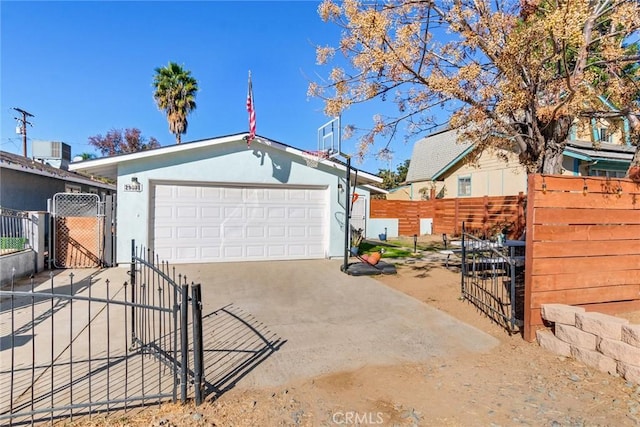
column 554, row 135
column 178, row 138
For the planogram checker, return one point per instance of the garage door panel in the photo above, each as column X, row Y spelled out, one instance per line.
column 276, row 251
column 256, row 213
column 276, row 231
column 256, row 251
column 209, row 224
column 212, row 193
column 186, row 232
column 185, row 193
column 231, row 232
column 315, row 231
column 233, row 212
column 297, row 232
column 233, row 251
column 210, row 212
column 186, row 254
column 210, row 232
column 210, row 252
column 253, row 232
column 186, row 212
column 297, row 213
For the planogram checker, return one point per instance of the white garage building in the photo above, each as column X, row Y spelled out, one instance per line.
column 218, row 200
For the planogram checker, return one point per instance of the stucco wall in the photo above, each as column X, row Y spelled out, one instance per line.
column 25, row 191
column 222, row 164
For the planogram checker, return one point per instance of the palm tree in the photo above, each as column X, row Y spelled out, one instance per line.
column 175, row 94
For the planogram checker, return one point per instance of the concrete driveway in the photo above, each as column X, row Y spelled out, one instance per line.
column 299, row 319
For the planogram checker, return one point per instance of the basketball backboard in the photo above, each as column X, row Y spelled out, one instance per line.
column 329, row 138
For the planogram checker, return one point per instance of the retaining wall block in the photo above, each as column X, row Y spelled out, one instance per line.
column 550, row 342
column 631, row 335
column 561, row 313
column 594, row 359
column 629, row 372
column 603, row 325
column 576, row 337
column 620, row 351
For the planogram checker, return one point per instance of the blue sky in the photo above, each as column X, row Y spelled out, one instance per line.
column 83, row 68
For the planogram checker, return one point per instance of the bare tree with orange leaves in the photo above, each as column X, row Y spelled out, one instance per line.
column 515, row 74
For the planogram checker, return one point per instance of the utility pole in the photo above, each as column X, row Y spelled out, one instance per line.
column 23, row 127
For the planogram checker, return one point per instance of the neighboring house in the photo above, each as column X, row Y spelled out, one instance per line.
column 439, row 169
column 402, row 192
column 26, row 183
column 218, row 200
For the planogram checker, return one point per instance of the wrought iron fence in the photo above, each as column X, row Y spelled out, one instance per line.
column 492, row 279
column 16, row 231
column 84, row 347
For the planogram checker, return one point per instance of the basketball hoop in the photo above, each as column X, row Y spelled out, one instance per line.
column 312, row 158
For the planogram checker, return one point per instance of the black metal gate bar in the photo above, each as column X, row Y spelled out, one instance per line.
column 492, row 279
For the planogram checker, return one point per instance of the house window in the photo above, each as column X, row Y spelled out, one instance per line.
column 607, row 173
column 464, row 186
column 93, row 190
column 603, row 135
column 71, row 188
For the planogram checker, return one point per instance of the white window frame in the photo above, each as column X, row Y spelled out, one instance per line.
column 466, row 178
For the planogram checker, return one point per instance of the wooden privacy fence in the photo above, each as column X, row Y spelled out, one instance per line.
column 481, row 215
column 407, row 212
column 583, row 245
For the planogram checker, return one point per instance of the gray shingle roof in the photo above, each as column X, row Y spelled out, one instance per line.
column 611, row 152
column 433, row 153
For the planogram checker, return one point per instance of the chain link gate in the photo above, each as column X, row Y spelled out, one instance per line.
column 78, row 227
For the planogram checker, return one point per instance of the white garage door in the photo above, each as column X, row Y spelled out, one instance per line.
column 209, row 224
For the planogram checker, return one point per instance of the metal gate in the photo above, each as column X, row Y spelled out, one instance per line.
column 73, row 348
column 83, row 231
column 493, row 279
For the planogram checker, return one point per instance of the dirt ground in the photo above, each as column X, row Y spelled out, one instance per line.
column 516, row 383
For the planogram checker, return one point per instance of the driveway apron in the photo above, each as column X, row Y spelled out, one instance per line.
column 268, row 323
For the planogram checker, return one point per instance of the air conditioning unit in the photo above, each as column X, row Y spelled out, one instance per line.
column 54, row 153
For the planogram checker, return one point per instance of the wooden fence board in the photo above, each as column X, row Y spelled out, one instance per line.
column 564, row 233
column 579, row 279
column 589, row 248
column 568, row 215
column 587, row 295
column 572, row 264
column 590, row 200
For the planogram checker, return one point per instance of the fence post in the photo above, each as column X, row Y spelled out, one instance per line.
column 198, row 351
column 456, row 216
column 485, row 216
column 132, row 279
column 184, row 340
column 463, row 265
column 522, row 200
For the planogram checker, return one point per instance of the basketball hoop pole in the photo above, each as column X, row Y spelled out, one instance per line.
column 347, row 230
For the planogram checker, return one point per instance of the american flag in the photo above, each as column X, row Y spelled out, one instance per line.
column 252, row 113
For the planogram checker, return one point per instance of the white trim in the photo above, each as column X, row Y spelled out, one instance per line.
column 105, row 162
column 34, row 171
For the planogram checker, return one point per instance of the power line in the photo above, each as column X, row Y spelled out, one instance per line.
column 23, row 127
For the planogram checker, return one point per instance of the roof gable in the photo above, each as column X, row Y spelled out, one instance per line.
column 108, row 166
column 434, row 154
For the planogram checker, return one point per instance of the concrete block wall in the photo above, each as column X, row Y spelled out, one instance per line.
column 607, row 343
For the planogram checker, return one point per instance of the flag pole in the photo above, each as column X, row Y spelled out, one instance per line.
column 252, row 113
